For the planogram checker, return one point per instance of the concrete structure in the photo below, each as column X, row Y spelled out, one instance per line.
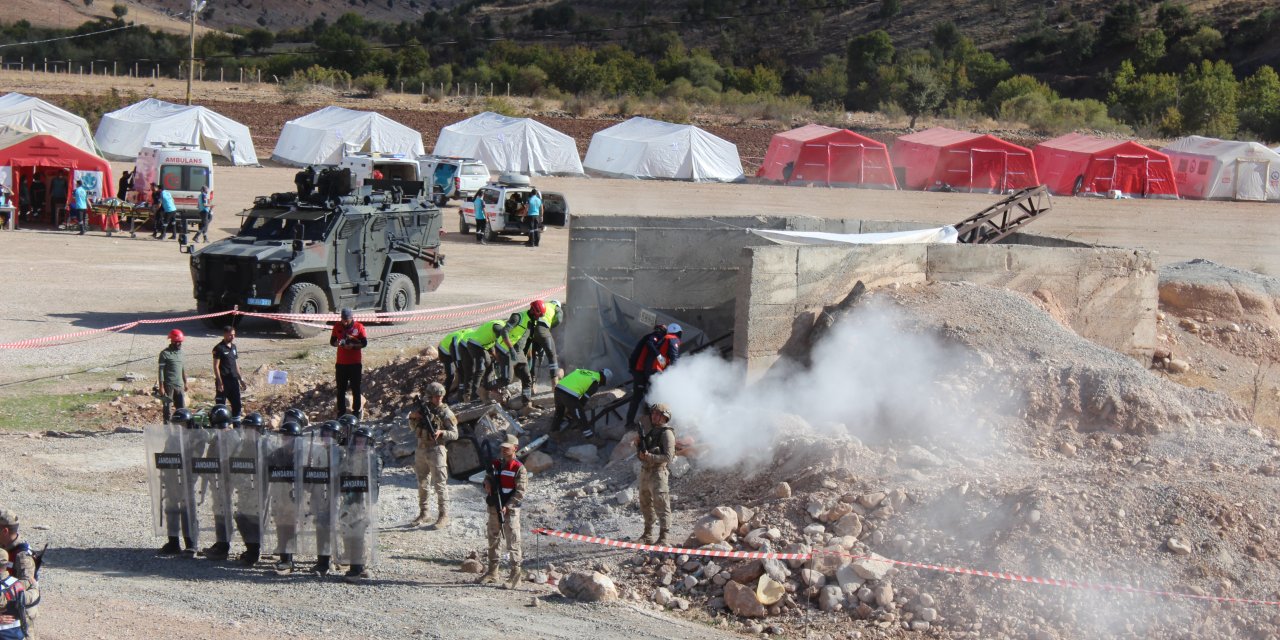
column 714, row 274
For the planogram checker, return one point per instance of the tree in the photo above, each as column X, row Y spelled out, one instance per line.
column 260, row 40
column 947, row 38
column 1121, row 26
column 1260, row 103
column 119, row 11
column 1175, row 20
column 1209, row 96
column 829, row 83
column 889, row 9
column 1014, row 87
column 1143, row 100
column 1149, row 50
column 921, row 92
column 865, row 55
column 1080, row 44
column 1201, row 45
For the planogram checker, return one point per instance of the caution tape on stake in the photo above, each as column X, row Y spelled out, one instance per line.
column 997, row 575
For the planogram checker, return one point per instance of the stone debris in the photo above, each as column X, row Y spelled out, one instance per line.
column 588, row 587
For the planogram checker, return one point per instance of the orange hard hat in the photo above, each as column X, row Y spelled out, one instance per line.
column 176, row 336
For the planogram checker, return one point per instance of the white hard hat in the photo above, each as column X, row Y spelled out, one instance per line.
column 674, row 328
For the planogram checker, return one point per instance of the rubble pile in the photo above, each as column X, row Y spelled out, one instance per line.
column 387, row 389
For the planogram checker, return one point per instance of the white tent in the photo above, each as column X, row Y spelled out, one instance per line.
column 511, row 145
column 1213, row 169
column 324, row 136
column 644, row 148
column 41, row 117
column 123, row 133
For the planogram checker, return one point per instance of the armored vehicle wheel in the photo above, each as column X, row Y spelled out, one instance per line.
column 401, row 294
column 463, row 227
column 303, row 297
column 216, row 322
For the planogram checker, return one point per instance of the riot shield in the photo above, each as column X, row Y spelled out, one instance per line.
column 316, row 504
column 166, row 480
column 357, row 523
column 280, row 457
column 246, row 481
column 207, row 504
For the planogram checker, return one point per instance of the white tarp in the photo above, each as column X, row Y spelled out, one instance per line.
column 123, row 133
column 324, row 136
column 1213, row 169
column 937, row 235
column 40, row 116
column 644, row 148
column 511, row 145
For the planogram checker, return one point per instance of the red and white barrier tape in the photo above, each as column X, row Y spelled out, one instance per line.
column 441, row 313
column 998, row 575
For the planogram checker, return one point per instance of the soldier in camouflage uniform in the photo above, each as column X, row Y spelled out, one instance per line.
column 505, row 485
column 656, row 448
column 20, row 563
column 435, row 425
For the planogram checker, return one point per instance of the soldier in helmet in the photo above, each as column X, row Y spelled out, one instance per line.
column 357, row 494
column 281, row 461
column 295, row 415
column 245, row 480
column 173, row 509
column 655, row 450
column 172, row 374
column 435, row 425
column 346, row 426
column 505, row 485
column 209, row 483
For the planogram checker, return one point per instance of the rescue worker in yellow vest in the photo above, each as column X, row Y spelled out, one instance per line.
column 480, row 344
column 20, row 563
column 655, row 450
column 511, row 357
column 505, row 484
column 435, row 426
column 452, row 351
column 543, row 317
column 572, row 394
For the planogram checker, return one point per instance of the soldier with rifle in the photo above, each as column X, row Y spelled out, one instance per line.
column 435, row 426
column 504, row 485
column 655, row 449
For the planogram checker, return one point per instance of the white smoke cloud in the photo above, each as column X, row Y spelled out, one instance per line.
column 870, row 377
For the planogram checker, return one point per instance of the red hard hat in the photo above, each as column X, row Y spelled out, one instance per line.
column 176, row 335
column 537, row 308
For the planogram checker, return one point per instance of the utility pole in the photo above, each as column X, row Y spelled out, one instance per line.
column 196, row 7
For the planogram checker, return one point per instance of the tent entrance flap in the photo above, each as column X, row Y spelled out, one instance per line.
column 845, row 164
column 1251, row 180
column 988, row 170
column 1130, row 174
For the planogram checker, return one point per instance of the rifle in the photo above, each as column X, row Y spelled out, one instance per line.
column 428, row 417
column 495, row 486
column 39, row 559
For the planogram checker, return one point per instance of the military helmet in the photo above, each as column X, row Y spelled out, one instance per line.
column 290, row 428
column 219, row 417
column 254, row 420
column 435, row 389
column 363, row 432
column 296, row 415
column 182, row 417
column 662, row 409
column 330, row 427
column 348, row 421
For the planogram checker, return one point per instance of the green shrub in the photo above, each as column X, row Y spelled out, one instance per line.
column 502, row 105
column 371, row 85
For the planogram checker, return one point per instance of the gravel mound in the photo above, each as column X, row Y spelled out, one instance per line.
column 1204, row 288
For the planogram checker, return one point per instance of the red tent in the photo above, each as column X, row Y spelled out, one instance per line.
column 962, row 160
column 814, row 154
column 1077, row 163
column 25, row 156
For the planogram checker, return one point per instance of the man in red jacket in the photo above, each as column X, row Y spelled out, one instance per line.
column 349, row 337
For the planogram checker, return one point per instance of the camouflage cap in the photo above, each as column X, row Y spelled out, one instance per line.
column 511, row 441
column 662, row 409
column 8, row 518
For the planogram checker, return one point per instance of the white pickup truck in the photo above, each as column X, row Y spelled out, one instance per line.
column 502, row 203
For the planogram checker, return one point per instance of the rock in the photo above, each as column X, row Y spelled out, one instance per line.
column 815, row 509
column 918, row 456
column 116, row 386
column 814, row 530
column 588, row 587
column 812, row 578
column 849, row 579
column 1189, row 325
column 1178, row 547
column 742, row 601
column 583, row 453
column 625, row 497
column 837, row 511
column 662, row 596
column 776, row 570
column 537, row 462
column 745, row 514
column 871, row 500
column 679, row 467
column 828, row 560
column 605, row 397
column 927, row 614
column 769, row 591
column 689, row 582
column 625, row 449
column 715, row 526
column 920, row 625
column 1114, row 444
column 830, row 598
column 865, row 595
column 710, row 569
column 678, row 603
column 782, row 490
column 1067, row 449
column 471, row 565
column 848, row 525
column 715, row 604
column 1177, row 365
column 130, row 376
column 883, row 594
column 872, row 568
column 926, row 600
column 747, row 572
column 612, row 431
column 755, row 538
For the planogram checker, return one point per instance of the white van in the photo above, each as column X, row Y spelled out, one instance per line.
column 182, row 168
column 395, row 169
column 453, row 177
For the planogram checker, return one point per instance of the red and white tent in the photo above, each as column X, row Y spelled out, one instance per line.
column 814, row 154
column 27, row 157
column 963, row 161
column 1212, row 169
column 1079, row 164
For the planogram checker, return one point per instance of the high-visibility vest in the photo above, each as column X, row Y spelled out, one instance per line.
column 507, row 475
column 552, row 316
column 451, row 342
column 578, row 382
column 485, row 335
column 514, row 334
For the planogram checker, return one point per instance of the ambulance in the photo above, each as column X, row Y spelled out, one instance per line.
column 182, row 168
column 394, row 170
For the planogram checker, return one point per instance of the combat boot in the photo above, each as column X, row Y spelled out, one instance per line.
column 356, row 573
column 440, row 523
column 662, row 538
column 171, row 548
column 513, row 579
column 647, row 538
column 322, row 566
column 251, row 555
column 490, row 576
column 284, row 566
column 217, row 551
column 421, row 519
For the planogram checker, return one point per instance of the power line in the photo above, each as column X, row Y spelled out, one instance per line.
column 71, row 37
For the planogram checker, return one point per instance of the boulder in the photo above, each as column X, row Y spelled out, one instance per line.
column 613, row 431
column 583, row 453
column 849, row 580
column 812, row 578
column 747, row 572
column 755, row 538
column 745, row 514
column 872, row 568
column 919, row 457
column 830, row 598
column 776, row 569
column 625, row 448
column 716, row 526
column 680, row 467
column 797, row 548
column 883, row 594
column 742, row 600
column 625, row 497
column 537, row 462
column 782, row 490
column 662, row 596
column 848, row 525
column 471, row 565
column 588, row 587
column 828, row 560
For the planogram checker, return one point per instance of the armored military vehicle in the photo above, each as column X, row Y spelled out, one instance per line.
column 328, row 247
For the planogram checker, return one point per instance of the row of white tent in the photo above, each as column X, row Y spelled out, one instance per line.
column 637, row 148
